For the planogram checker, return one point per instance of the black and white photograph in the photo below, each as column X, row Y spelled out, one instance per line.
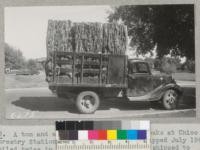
column 100, row 61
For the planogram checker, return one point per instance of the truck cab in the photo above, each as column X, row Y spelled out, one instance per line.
column 139, row 78
column 143, row 85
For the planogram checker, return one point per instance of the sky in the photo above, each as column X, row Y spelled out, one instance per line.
column 25, row 27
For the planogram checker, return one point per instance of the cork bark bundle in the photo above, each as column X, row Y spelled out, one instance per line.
column 114, row 38
column 87, row 37
column 59, row 36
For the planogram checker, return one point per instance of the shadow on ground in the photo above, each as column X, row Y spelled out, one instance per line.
column 45, row 104
column 61, row 104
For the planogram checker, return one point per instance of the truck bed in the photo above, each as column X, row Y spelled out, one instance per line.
column 88, row 70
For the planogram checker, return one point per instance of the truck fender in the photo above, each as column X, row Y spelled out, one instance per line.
column 174, row 87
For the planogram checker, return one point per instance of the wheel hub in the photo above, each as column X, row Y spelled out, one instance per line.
column 171, row 98
column 87, row 102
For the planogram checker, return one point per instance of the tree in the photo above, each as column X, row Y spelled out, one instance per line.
column 31, row 64
column 13, row 57
column 169, row 27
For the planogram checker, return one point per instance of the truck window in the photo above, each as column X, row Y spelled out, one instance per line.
column 133, row 68
column 142, row 68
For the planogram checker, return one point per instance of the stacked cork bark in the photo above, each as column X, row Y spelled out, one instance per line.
column 59, row 36
column 114, row 38
column 106, row 38
column 87, row 37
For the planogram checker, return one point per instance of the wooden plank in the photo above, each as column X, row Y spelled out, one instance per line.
column 86, row 85
column 91, row 70
column 100, row 70
column 125, row 70
column 64, row 62
column 93, row 63
column 107, row 71
column 54, row 67
column 82, row 63
column 73, row 69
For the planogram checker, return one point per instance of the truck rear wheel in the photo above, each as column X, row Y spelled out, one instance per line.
column 87, row 102
column 170, row 99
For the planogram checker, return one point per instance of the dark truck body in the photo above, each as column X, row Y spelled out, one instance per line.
column 77, row 75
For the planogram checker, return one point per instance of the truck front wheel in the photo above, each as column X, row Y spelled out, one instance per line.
column 170, row 99
column 87, row 102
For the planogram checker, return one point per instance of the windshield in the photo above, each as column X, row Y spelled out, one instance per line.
column 139, row 67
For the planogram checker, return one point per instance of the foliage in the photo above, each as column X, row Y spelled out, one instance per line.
column 169, row 27
column 189, row 65
column 31, row 64
column 169, row 65
column 13, row 58
column 166, row 64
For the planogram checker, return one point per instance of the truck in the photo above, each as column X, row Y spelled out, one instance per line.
column 89, row 78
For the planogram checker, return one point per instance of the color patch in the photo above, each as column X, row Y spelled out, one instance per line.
column 80, row 125
column 142, row 135
column 92, row 134
column 111, row 134
column 70, row 125
column 60, row 125
column 83, row 135
column 88, row 125
column 132, row 134
column 115, row 125
column 102, row 135
column 63, row 134
column 73, row 134
column 121, row 134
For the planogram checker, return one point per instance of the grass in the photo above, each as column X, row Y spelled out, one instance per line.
column 25, row 81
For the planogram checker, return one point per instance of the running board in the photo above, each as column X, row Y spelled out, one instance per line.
column 151, row 96
column 140, row 98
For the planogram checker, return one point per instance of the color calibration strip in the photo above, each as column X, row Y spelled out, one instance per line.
column 103, row 135
column 100, row 130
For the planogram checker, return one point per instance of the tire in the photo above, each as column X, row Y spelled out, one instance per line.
column 87, row 102
column 170, row 99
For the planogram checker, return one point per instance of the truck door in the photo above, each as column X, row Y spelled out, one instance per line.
column 139, row 79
